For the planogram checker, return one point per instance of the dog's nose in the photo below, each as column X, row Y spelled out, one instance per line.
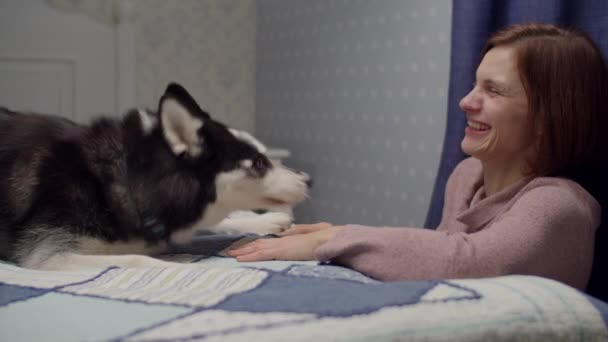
column 309, row 182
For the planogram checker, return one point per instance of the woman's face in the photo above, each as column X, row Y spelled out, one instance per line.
column 499, row 125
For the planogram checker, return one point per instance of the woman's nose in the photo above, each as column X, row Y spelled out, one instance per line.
column 471, row 102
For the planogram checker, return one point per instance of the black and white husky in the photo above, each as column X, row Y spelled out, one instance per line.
column 128, row 186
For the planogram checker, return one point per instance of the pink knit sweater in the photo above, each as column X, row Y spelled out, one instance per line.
column 544, row 227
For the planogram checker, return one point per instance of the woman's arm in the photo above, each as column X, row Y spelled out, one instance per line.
column 548, row 232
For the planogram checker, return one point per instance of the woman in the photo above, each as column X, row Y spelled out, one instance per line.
column 535, row 123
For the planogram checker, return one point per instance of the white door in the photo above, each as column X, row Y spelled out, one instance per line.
column 62, row 63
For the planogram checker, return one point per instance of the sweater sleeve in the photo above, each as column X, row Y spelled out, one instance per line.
column 549, row 231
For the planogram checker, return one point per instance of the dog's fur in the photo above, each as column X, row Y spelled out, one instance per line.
column 128, row 186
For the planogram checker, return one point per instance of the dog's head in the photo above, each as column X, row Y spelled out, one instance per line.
column 244, row 177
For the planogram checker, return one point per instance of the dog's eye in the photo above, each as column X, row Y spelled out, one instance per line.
column 260, row 164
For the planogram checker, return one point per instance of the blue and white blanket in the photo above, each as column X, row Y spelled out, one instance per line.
column 218, row 299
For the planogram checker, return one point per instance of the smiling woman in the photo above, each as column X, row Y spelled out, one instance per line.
column 500, row 128
column 536, row 116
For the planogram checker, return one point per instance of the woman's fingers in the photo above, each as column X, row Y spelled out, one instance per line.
column 305, row 228
column 254, row 246
column 296, row 230
column 241, row 250
column 246, row 248
column 261, row 255
column 259, row 250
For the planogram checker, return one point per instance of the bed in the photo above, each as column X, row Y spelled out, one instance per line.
column 213, row 298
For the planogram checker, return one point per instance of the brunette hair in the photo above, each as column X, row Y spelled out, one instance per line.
column 565, row 79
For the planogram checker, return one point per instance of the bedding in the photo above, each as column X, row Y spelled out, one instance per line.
column 213, row 298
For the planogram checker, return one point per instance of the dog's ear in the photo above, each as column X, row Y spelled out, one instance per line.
column 181, row 118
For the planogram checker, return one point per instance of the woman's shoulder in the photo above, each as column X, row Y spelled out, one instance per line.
column 556, row 193
column 564, row 186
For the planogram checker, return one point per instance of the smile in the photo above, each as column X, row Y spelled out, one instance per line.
column 478, row 126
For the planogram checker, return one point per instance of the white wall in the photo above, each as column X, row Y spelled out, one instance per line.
column 208, row 46
column 357, row 90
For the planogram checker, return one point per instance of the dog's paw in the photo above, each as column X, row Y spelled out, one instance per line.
column 273, row 222
column 262, row 224
column 268, row 223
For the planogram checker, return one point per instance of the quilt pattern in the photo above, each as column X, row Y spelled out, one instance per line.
column 217, row 298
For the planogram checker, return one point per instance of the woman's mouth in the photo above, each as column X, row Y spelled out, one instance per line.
column 477, row 128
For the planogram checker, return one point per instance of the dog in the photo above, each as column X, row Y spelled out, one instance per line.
column 135, row 185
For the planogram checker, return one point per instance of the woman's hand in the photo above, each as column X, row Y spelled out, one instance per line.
column 298, row 244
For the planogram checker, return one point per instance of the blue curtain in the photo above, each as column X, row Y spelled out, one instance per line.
column 472, row 24
column 473, row 21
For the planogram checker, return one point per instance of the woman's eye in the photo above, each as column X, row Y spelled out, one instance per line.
column 493, row 90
